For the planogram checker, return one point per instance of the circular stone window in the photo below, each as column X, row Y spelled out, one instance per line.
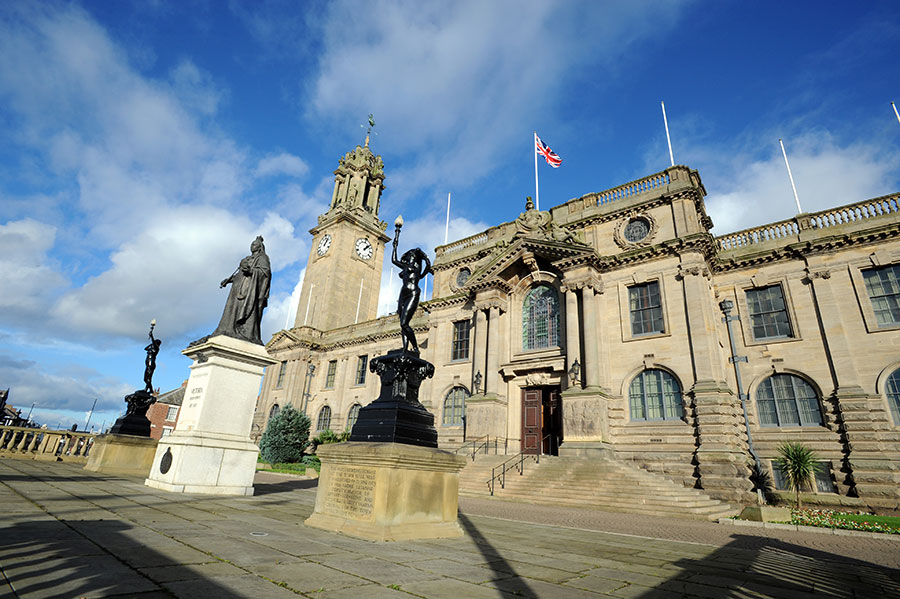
column 463, row 276
column 636, row 230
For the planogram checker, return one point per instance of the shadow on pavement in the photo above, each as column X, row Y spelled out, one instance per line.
column 775, row 568
column 268, row 488
column 49, row 558
column 515, row 585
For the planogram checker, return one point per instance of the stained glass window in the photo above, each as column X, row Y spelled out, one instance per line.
column 540, row 318
column 353, row 416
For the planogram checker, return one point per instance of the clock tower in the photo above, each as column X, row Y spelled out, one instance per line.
column 343, row 274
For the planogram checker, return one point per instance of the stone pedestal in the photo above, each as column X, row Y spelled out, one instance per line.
column 397, row 416
column 210, row 450
column 388, row 491
column 122, row 454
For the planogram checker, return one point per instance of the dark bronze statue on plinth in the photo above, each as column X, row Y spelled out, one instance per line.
column 135, row 421
column 397, row 416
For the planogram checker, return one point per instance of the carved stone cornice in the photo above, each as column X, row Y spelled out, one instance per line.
column 589, row 281
column 491, row 302
column 692, row 270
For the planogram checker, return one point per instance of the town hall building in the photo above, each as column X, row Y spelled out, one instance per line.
column 615, row 325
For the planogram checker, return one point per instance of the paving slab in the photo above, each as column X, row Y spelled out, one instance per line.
column 65, row 532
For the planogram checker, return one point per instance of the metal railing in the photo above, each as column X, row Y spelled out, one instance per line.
column 43, row 444
column 517, row 462
column 483, row 444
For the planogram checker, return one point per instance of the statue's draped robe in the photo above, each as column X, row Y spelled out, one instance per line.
column 248, row 296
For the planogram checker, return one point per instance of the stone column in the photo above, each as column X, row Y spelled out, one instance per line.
column 573, row 340
column 591, row 338
column 722, row 461
column 493, row 351
column 871, row 445
column 479, row 351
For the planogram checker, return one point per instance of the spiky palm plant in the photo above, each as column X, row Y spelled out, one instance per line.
column 798, row 464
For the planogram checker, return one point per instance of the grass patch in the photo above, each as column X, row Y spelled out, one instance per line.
column 845, row 520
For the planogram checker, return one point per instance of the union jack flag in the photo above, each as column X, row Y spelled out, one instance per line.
column 549, row 155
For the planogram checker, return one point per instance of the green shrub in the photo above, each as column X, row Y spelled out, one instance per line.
column 329, row 436
column 286, row 436
column 311, row 461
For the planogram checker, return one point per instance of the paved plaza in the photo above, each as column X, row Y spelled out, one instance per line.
column 65, row 532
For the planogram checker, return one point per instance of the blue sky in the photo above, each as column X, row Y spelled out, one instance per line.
column 147, row 143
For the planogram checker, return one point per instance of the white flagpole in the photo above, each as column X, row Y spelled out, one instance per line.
column 537, row 193
column 668, row 139
column 791, row 177
column 308, row 299
column 447, row 226
column 425, row 295
column 894, row 106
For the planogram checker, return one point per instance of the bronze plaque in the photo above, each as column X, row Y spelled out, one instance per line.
column 350, row 492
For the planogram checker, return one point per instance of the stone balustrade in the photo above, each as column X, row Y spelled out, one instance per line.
column 647, row 184
column 456, row 246
column 790, row 229
column 43, row 444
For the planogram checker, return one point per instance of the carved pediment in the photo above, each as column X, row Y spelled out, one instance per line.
column 526, row 254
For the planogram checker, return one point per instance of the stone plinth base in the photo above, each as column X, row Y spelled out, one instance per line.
column 210, row 451
column 122, row 454
column 206, row 463
column 586, row 449
column 388, row 491
column 766, row 513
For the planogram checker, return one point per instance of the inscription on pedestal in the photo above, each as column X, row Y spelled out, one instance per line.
column 350, row 492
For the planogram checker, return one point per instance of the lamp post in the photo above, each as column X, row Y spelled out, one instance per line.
column 477, row 382
column 310, row 370
column 727, row 306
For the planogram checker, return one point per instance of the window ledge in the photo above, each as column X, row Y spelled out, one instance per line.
column 885, row 327
column 637, row 423
column 772, row 340
column 647, row 336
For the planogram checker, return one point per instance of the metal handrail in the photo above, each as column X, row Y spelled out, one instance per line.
column 475, row 445
column 517, row 462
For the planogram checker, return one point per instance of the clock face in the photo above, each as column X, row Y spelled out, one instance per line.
column 636, row 230
column 363, row 248
column 324, row 244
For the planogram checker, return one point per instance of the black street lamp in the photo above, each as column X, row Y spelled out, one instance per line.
column 478, row 382
column 575, row 372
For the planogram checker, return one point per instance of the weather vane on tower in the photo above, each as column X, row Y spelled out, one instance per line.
column 369, row 130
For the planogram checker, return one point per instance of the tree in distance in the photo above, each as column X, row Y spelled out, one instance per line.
column 799, row 464
column 285, row 438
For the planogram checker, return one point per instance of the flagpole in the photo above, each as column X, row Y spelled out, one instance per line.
column 668, row 139
column 894, row 106
column 791, row 177
column 447, row 226
column 537, row 193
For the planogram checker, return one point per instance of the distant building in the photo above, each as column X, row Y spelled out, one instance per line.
column 163, row 414
column 596, row 328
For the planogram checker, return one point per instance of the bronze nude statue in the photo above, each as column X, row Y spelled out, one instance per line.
column 248, row 296
column 414, row 265
column 152, row 350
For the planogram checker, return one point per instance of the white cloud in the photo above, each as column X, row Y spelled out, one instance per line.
column 281, row 164
column 28, row 280
column 434, row 74
column 746, row 192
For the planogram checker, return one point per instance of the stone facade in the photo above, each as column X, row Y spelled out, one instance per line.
column 596, row 328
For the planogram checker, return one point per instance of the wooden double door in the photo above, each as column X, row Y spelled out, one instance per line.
column 541, row 420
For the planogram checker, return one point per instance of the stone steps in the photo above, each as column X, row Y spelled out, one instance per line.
column 602, row 483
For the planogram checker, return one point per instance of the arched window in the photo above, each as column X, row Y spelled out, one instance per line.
column 655, row 395
column 893, row 394
column 787, row 400
column 454, row 407
column 324, row 421
column 353, row 416
column 540, row 318
column 274, row 411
